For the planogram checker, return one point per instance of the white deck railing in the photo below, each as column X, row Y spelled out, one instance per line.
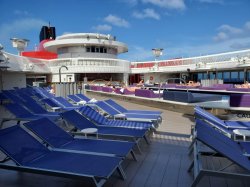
column 75, row 65
column 25, row 64
column 90, row 65
column 222, row 60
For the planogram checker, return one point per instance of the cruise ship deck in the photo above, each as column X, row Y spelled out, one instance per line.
column 164, row 162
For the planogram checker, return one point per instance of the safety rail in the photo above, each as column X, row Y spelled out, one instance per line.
column 240, row 57
column 27, row 64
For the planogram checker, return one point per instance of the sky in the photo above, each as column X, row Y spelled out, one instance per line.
column 183, row 28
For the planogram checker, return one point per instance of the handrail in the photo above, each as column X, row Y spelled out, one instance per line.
column 181, row 79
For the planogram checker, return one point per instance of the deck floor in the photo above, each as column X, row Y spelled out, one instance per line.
column 162, row 163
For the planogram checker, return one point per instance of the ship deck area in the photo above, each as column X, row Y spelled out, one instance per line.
column 164, row 162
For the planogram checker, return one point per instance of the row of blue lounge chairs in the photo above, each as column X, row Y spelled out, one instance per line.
column 63, row 104
column 29, row 155
column 217, row 135
column 60, row 153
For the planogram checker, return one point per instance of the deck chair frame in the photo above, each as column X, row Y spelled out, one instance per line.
column 45, row 121
column 87, row 178
column 198, row 170
column 97, row 179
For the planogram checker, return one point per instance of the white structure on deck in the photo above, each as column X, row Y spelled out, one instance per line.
column 236, row 60
column 91, row 53
column 87, row 53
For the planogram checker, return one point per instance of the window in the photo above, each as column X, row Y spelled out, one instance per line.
column 97, row 49
column 88, row 49
column 234, row 75
column 212, row 75
column 219, row 75
column 101, row 49
column 226, row 76
column 241, row 75
column 93, row 49
column 248, row 76
column 200, row 76
column 205, row 75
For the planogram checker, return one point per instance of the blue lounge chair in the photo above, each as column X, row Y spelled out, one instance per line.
column 64, row 103
column 226, row 127
column 12, row 96
column 39, row 96
column 32, row 105
column 38, row 109
column 52, row 104
column 83, row 97
column 43, row 92
column 130, row 117
column 76, row 99
column 22, row 114
column 121, row 109
column 3, row 98
column 99, row 119
column 80, row 122
column 58, row 138
column 225, row 147
column 31, row 156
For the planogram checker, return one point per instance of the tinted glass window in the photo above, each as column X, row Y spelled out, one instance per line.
column 219, row 75
column 234, row 75
column 226, row 75
column 200, row 76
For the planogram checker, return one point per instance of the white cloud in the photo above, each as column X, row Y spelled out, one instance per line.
column 247, row 25
column 237, row 45
column 19, row 26
column 104, row 27
column 117, row 21
column 147, row 13
column 21, row 13
column 230, row 29
column 131, row 2
column 19, row 29
column 138, row 53
column 169, row 4
column 227, row 32
column 212, row 1
column 221, row 36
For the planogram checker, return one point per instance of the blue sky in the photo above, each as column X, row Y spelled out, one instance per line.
column 183, row 28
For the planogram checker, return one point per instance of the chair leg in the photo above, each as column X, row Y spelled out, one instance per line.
column 191, row 166
column 121, row 172
column 133, row 155
column 138, row 148
column 191, row 148
column 197, row 179
column 146, row 139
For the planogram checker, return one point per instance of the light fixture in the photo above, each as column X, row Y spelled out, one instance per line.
column 157, row 52
column 20, row 44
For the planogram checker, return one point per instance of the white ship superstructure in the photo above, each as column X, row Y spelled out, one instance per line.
column 88, row 53
column 84, row 57
column 233, row 67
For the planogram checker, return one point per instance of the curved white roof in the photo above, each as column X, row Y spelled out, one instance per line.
column 86, row 39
